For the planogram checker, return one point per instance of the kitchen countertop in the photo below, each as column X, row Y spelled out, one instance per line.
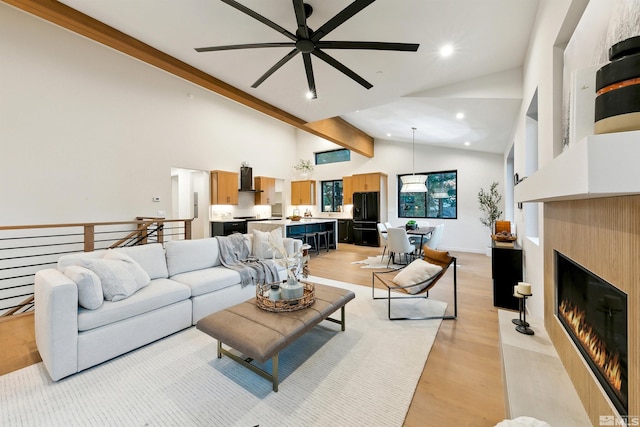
column 303, row 221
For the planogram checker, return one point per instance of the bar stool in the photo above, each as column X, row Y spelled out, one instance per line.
column 332, row 240
column 323, row 235
column 308, row 237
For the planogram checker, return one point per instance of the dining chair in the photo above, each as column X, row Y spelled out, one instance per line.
column 382, row 231
column 398, row 243
column 436, row 237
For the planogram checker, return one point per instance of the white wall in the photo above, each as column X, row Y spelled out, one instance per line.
column 89, row 134
column 543, row 73
column 475, row 170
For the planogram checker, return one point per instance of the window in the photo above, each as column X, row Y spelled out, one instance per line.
column 331, row 195
column 333, row 156
column 438, row 202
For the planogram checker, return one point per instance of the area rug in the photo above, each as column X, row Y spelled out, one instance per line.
column 378, row 262
column 364, row 376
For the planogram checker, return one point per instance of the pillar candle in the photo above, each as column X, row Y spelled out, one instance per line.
column 524, row 288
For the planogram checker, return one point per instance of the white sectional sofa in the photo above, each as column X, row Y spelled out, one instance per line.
column 186, row 282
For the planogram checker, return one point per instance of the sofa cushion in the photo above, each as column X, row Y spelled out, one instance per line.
column 150, row 257
column 89, row 286
column 119, row 275
column 190, row 255
column 208, row 279
column 159, row 293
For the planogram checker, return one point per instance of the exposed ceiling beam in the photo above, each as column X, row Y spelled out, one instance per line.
column 334, row 129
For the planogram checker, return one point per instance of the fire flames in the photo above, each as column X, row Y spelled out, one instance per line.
column 607, row 363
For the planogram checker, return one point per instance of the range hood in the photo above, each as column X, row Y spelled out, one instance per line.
column 246, row 180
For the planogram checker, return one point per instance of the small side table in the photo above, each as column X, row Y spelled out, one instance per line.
column 521, row 323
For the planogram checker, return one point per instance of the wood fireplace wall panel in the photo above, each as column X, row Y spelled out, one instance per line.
column 603, row 235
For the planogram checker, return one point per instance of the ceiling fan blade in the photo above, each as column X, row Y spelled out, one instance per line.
column 340, row 18
column 273, row 69
column 301, row 18
column 244, row 46
column 407, row 47
column 310, row 80
column 260, row 18
column 338, row 66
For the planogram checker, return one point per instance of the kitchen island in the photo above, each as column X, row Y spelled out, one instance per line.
column 297, row 229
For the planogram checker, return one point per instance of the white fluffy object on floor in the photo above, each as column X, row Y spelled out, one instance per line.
column 522, row 422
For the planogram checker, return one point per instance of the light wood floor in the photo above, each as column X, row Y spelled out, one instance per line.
column 461, row 383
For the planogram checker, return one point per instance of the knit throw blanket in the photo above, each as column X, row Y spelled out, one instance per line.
column 234, row 254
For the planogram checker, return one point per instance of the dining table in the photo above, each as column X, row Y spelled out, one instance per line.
column 422, row 232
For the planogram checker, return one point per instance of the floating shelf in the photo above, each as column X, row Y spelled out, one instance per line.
column 598, row 166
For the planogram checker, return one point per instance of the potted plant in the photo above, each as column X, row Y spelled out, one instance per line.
column 411, row 225
column 304, row 168
column 490, row 207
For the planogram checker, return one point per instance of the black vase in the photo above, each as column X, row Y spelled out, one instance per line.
column 617, row 106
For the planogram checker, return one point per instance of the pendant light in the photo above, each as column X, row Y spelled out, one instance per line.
column 414, row 183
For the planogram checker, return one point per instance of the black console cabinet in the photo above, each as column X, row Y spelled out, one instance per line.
column 506, row 270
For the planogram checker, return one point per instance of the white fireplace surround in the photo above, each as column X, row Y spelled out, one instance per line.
column 598, row 166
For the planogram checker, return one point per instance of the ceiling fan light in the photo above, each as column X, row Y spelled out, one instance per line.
column 413, row 184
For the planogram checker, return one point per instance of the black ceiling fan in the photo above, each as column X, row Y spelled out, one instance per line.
column 309, row 42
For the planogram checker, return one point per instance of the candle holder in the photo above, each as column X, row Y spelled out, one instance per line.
column 522, row 326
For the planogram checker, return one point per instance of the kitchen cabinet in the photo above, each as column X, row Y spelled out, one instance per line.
column 347, row 190
column 224, row 228
column 303, row 192
column 265, row 190
column 506, row 271
column 224, row 188
column 366, row 182
column 345, row 231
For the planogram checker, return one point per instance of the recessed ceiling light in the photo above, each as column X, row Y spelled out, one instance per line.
column 388, row 134
column 446, row 50
column 460, row 116
column 467, row 143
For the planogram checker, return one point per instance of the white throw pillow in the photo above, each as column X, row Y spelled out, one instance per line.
column 416, row 272
column 89, row 286
column 268, row 244
column 261, row 247
column 119, row 275
column 276, row 241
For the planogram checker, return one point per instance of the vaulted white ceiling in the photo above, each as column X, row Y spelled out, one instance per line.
column 481, row 79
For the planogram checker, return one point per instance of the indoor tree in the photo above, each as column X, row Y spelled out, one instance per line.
column 490, row 206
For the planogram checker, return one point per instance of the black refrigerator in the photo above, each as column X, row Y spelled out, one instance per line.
column 366, row 215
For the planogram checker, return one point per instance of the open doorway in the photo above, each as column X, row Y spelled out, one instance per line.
column 190, row 199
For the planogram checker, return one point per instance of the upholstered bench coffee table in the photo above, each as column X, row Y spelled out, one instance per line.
column 260, row 335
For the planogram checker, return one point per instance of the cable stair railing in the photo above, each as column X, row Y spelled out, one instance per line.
column 26, row 249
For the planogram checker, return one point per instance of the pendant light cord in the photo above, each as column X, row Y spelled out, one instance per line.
column 414, row 152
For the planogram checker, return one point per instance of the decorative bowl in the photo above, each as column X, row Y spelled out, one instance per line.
column 295, row 217
column 504, row 237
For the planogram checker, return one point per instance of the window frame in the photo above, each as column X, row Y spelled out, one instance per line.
column 427, row 207
column 328, row 152
column 335, row 203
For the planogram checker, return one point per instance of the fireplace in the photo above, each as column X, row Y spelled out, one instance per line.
column 594, row 314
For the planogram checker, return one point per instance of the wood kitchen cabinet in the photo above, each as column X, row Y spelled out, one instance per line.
column 303, row 192
column 265, row 190
column 366, row 182
column 347, row 190
column 224, row 188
